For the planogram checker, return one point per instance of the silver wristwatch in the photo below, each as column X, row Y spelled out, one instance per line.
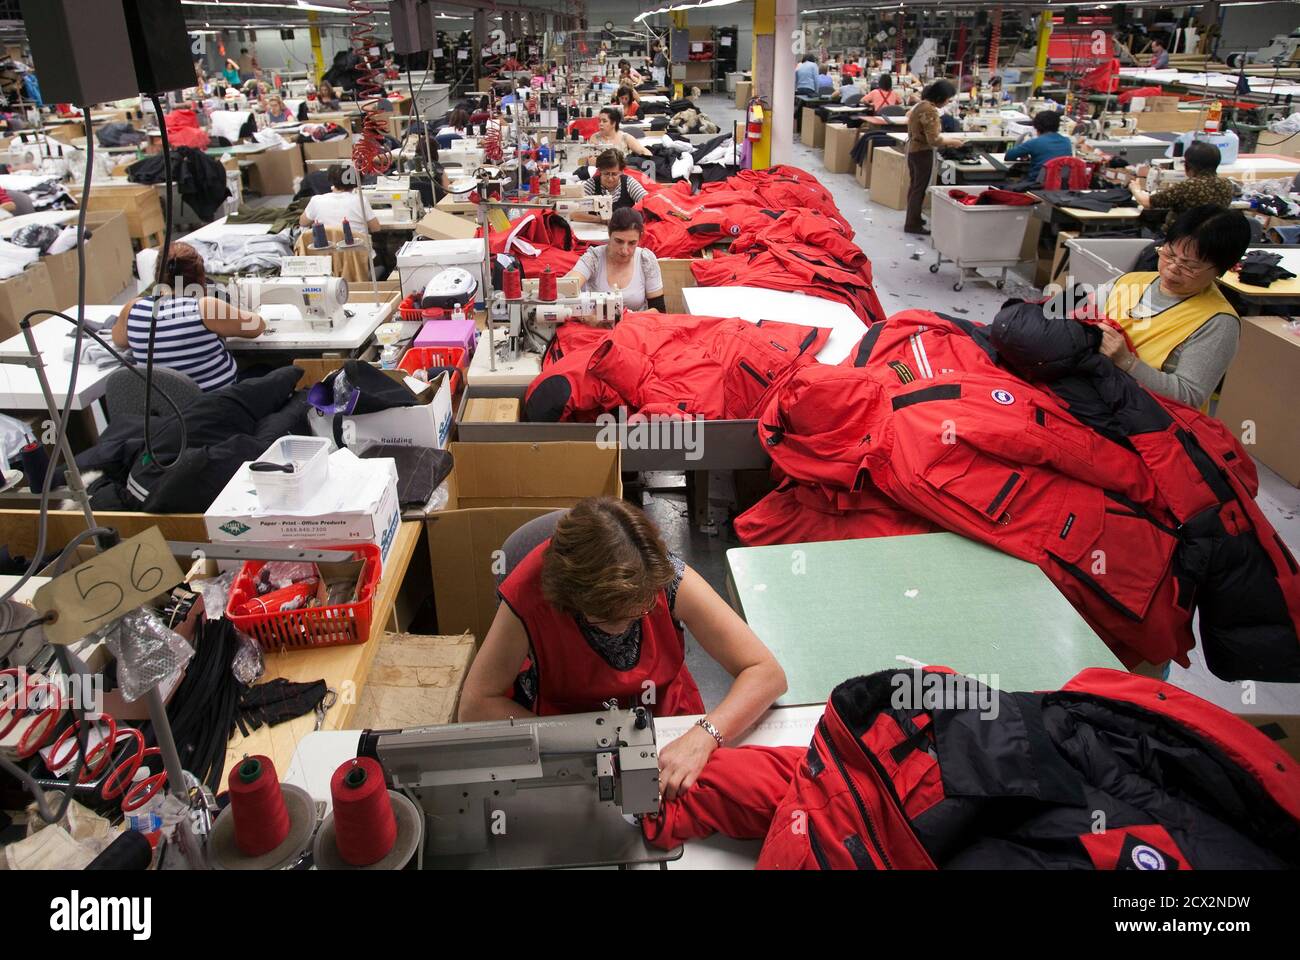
column 710, row 729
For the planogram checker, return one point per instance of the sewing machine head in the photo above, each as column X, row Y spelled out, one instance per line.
column 602, row 205
column 528, row 324
column 463, row 773
column 319, row 301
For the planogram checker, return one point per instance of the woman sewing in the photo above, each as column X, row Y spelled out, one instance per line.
column 610, row 179
column 628, row 101
column 623, row 265
column 596, row 611
column 609, row 137
column 343, row 202
column 326, row 99
column 1184, row 331
column 191, row 328
column 276, row 111
column 628, row 75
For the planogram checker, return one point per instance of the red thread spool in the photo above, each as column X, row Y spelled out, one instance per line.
column 546, row 288
column 261, row 819
column 512, row 284
column 364, row 826
column 555, row 186
column 535, row 186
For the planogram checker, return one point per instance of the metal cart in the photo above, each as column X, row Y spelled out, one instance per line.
column 975, row 236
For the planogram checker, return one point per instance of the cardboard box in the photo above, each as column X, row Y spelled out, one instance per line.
column 839, row 148
column 1170, row 121
column 1161, row 104
column 110, row 261
column 140, row 203
column 358, row 504
column 276, row 171
column 494, row 489
column 492, row 410
column 744, row 90
column 427, row 424
column 676, row 273
column 437, row 224
column 812, row 129
column 889, row 178
column 1278, row 143
column 337, row 149
column 20, row 295
column 1254, row 405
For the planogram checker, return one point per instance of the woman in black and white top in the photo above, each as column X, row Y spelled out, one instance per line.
column 611, row 179
column 609, row 137
column 191, row 327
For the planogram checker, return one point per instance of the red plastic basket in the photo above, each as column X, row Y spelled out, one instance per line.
column 421, row 358
column 334, row 626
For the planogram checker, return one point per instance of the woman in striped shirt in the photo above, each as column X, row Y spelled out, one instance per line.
column 191, row 328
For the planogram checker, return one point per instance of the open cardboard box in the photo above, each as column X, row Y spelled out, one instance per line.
column 494, row 489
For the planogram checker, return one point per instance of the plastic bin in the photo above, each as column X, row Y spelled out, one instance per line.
column 421, row 358
column 975, row 236
column 335, row 626
column 288, row 491
column 1099, row 261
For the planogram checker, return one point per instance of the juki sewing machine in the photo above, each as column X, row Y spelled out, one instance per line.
column 395, row 193
column 602, row 205
column 318, row 300
column 534, row 792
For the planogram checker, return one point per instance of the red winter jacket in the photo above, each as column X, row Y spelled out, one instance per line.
column 539, row 239
column 1017, row 781
column 801, row 513
column 781, row 188
column 671, row 364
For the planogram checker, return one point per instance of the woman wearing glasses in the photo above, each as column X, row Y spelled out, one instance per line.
column 1182, row 328
column 597, row 611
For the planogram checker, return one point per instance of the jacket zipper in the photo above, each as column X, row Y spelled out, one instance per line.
column 752, row 372
column 857, row 797
column 815, row 845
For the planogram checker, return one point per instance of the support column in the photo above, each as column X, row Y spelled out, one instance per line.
column 679, row 22
column 316, row 52
column 782, row 126
column 763, row 69
column 1040, row 56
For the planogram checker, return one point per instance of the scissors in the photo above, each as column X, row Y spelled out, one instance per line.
column 47, row 711
column 331, row 697
column 121, row 779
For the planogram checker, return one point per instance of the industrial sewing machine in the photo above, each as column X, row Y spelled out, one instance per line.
column 602, row 205
column 535, row 792
column 395, row 193
column 318, row 300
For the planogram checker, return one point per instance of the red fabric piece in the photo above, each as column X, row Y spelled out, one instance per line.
column 183, row 130
column 539, row 239
column 573, row 678
column 1102, row 79
column 1066, row 173
column 1128, row 95
column 801, row 513
column 851, row 70
column 736, row 795
column 584, row 127
column 674, row 365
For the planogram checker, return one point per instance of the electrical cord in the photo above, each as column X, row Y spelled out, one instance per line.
column 62, row 431
column 163, row 259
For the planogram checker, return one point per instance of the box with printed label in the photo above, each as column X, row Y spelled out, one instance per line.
column 358, row 503
column 427, row 424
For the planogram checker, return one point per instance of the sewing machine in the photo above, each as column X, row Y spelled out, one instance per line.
column 318, row 300
column 602, row 205
column 1164, row 173
column 395, row 193
column 534, row 792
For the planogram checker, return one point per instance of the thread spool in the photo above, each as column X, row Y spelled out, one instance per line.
column 364, row 825
column 535, row 186
column 555, row 186
column 512, row 284
column 257, row 804
column 347, row 233
column 35, row 462
column 318, row 238
column 546, row 286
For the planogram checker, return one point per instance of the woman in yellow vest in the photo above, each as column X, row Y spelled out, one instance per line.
column 1184, row 331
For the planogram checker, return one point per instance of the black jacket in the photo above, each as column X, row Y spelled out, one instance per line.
column 201, row 178
column 225, row 429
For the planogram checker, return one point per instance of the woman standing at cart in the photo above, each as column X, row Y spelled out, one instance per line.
column 924, row 137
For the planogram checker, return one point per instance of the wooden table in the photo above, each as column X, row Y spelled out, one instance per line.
column 344, row 669
column 1276, row 294
column 834, row 610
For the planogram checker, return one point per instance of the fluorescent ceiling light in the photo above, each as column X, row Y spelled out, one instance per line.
column 684, row 6
column 300, row 5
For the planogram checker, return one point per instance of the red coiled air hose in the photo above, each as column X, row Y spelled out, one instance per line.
column 369, row 154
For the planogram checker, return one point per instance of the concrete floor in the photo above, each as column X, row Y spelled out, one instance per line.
column 904, row 281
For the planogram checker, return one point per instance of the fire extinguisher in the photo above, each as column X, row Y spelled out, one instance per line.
column 754, row 121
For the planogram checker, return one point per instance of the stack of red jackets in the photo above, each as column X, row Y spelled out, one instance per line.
column 803, row 251
column 668, row 364
column 681, row 224
column 539, row 239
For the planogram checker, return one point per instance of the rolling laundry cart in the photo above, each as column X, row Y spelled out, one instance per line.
column 975, row 236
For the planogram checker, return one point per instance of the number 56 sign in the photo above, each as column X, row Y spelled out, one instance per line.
column 106, row 587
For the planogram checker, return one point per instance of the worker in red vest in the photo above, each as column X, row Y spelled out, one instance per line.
column 597, row 612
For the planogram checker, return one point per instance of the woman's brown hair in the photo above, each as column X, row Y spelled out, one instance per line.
column 606, row 560
column 184, row 268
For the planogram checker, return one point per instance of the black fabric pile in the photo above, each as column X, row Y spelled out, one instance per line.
column 1100, row 201
column 226, row 428
column 1259, row 268
column 419, row 471
column 201, row 178
column 277, row 701
column 120, row 135
column 877, row 137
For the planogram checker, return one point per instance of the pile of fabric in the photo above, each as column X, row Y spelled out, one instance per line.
column 201, row 179
column 183, row 130
column 539, row 240
column 1021, row 436
column 244, row 254
column 976, row 778
column 668, row 364
column 691, row 120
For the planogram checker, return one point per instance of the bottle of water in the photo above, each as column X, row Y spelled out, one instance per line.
column 458, row 312
column 148, row 818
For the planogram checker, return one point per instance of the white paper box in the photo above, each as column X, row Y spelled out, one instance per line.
column 419, row 261
column 426, row 425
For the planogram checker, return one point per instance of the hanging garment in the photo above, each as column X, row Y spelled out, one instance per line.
column 1019, row 783
column 670, row 364
column 201, row 178
column 574, row 677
